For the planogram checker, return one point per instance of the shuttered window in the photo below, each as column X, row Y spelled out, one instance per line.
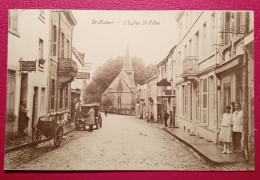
column 13, row 20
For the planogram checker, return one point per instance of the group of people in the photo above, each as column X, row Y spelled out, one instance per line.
column 231, row 129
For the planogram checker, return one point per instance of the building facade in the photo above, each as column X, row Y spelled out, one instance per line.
column 235, row 68
column 214, row 60
column 77, row 86
column 165, row 88
column 28, row 48
column 152, row 97
column 40, row 68
column 62, row 68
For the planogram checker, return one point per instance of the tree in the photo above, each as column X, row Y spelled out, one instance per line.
column 107, row 102
column 106, row 73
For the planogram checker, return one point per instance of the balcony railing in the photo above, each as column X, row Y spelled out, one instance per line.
column 190, row 65
column 67, row 67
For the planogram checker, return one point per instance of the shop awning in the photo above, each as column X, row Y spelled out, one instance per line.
column 163, row 82
column 236, row 61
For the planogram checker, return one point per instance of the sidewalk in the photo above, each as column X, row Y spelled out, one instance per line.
column 22, row 141
column 208, row 150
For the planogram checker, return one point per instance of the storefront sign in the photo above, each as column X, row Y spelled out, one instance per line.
column 83, row 75
column 27, row 65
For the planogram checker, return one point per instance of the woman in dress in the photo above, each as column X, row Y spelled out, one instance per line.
column 226, row 129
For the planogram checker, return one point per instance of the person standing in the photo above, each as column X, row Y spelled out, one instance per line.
column 91, row 118
column 165, row 117
column 106, row 112
column 237, row 121
column 226, row 130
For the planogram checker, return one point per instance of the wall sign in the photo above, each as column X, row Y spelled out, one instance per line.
column 27, row 66
column 83, row 75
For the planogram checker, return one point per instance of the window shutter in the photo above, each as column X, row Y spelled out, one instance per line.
column 14, row 22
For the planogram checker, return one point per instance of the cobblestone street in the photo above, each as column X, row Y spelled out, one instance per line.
column 123, row 143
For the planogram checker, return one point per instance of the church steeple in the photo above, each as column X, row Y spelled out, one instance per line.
column 127, row 67
column 127, row 63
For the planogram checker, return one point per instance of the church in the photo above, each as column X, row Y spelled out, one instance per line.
column 122, row 90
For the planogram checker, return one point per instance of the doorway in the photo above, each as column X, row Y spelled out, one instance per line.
column 35, row 107
column 23, row 117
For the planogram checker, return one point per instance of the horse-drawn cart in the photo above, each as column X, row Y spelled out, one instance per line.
column 50, row 129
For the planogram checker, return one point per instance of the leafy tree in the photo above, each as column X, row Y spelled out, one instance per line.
column 107, row 102
column 106, row 73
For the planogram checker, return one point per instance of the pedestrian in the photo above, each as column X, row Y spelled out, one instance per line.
column 106, row 112
column 91, row 119
column 23, row 119
column 148, row 118
column 237, row 121
column 78, row 113
column 226, row 130
column 152, row 117
column 165, row 117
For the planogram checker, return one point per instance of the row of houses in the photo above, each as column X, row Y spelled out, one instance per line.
column 211, row 66
column 42, row 70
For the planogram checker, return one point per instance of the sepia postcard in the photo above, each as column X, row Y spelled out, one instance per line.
column 94, row 90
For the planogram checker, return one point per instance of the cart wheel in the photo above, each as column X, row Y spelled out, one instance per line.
column 36, row 135
column 58, row 136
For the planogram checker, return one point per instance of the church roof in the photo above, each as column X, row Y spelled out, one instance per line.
column 122, row 83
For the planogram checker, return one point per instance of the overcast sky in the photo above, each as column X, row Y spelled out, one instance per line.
column 102, row 35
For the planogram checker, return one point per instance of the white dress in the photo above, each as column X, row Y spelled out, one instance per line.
column 225, row 131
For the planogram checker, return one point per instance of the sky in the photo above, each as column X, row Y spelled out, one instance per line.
column 103, row 35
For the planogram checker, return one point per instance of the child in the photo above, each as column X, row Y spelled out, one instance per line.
column 225, row 131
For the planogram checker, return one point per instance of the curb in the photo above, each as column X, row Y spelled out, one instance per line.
column 31, row 144
column 196, row 150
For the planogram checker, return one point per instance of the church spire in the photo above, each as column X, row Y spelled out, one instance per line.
column 127, row 63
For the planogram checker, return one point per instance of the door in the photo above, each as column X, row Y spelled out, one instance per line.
column 35, row 107
column 227, row 94
column 22, row 119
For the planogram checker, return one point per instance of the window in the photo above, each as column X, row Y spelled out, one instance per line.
column 42, row 108
column 196, row 46
column 40, row 48
column 204, row 94
column 62, row 45
column 53, row 86
column 204, row 44
column 227, row 26
column 185, row 100
column 66, row 95
column 61, row 97
column 13, row 21
column 238, row 21
column 10, row 94
column 41, row 16
column 68, row 48
column 54, row 41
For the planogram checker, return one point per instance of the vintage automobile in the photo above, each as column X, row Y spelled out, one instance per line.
column 86, row 120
